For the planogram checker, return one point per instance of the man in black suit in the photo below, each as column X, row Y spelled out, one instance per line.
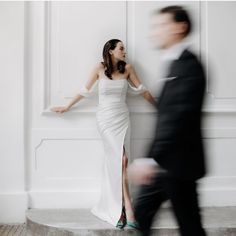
column 177, row 149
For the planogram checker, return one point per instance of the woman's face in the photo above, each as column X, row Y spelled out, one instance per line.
column 118, row 52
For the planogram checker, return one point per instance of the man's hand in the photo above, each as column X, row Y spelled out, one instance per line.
column 142, row 171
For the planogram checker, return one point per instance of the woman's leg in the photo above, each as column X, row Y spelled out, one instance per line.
column 126, row 194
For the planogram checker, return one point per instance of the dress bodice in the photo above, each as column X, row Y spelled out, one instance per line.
column 112, row 91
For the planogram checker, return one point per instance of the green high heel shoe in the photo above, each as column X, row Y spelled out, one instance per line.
column 121, row 224
column 133, row 224
column 122, row 221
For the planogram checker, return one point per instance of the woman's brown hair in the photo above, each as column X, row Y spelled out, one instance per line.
column 107, row 62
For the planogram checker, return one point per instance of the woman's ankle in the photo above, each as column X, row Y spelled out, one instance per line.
column 129, row 215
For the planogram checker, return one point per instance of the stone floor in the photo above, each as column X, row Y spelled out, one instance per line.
column 73, row 222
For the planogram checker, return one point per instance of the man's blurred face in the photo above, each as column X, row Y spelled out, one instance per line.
column 164, row 30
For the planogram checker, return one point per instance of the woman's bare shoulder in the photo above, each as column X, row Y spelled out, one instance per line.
column 99, row 66
column 128, row 67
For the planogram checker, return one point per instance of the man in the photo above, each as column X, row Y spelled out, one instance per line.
column 177, row 147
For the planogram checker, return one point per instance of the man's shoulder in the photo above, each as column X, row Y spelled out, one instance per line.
column 190, row 62
column 188, row 55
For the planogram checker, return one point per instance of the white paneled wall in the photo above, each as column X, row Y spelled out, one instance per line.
column 54, row 161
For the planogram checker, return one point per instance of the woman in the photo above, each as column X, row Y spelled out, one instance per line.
column 113, row 77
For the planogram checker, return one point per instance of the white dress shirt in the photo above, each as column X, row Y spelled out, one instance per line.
column 171, row 54
column 175, row 51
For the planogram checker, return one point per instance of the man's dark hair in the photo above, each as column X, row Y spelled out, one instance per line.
column 179, row 15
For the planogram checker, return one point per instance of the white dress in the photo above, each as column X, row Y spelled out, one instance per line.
column 114, row 127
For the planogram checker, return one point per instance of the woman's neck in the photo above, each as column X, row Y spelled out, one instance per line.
column 114, row 64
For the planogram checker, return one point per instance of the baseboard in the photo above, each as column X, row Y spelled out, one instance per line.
column 62, row 199
column 13, row 207
column 217, row 197
column 207, row 198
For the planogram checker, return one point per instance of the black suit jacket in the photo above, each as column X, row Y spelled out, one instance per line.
column 177, row 146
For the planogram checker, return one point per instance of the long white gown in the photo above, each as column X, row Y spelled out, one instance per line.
column 114, row 127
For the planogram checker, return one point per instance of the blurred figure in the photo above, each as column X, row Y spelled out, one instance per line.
column 176, row 158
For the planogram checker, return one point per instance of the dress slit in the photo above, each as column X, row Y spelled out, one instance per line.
column 123, row 153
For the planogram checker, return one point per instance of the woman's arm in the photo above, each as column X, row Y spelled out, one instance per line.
column 91, row 81
column 148, row 96
column 133, row 77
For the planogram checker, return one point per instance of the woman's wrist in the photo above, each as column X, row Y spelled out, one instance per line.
column 68, row 108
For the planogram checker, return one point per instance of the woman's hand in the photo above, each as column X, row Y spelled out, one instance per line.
column 148, row 96
column 59, row 109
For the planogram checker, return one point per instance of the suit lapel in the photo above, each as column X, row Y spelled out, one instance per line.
column 174, row 70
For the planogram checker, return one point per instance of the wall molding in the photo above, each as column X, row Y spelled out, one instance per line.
column 214, row 190
column 41, row 135
column 144, row 110
column 46, row 45
column 205, row 53
column 216, row 107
